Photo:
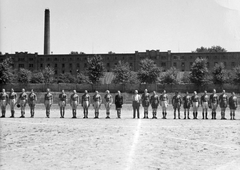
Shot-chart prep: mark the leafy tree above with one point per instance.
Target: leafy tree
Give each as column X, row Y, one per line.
column 95, row 69
column 48, row 74
column 24, row 75
column 82, row 78
column 199, row 72
column 37, row 77
column 236, row 75
column 212, row 49
column 219, row 74
column 170, row 76
column 67, row 78
column 186, row 77
column 148, row 71
column 6, row 71
column 122, row 72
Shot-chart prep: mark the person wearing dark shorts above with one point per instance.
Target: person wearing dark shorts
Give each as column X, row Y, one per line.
column 154, row 100
column 186, row 105
column 118, row 103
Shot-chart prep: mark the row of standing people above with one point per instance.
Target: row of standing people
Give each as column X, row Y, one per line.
column 145, row 99
column 12, row 99
column 194, row 101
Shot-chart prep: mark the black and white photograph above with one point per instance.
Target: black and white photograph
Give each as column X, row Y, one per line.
column 120, row 84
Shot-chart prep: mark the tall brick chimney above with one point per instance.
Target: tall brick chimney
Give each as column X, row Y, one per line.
column 47, row 32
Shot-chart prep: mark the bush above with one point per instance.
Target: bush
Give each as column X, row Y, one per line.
column 37, row 77
column 24, row 75
column 6, row 71
column 169, row 77
column 67, row 78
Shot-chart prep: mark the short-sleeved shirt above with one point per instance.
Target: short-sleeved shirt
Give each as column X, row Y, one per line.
column 48, row 96
column 97, row 98
column 85, row 97
column 62, row 97
column 108, row 97
column 12, row 95
column 32, row 96
column 233, row 102
column 74, row 97
column 3, row 96
column 204, row 98
column 164, row 97
column 23, row 96
column 195, row 98
column 214, row 98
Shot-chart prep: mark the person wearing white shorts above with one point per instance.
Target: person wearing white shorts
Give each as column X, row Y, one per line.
column 164, row 103
column 12, row 102
column 195, row 103
column 108, row 103
column 74, row 101
column 214, row 103
column 32, row 99
column 204, row 104
column 23, row 102
column 62, row 103
column 3, row 102
column 48, row 101
column 85, row 104
column 97, row 101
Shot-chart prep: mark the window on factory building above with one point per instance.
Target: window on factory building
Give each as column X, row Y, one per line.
column 41, row 65
column 56, row 72
column 85, row 65
column 233, row 64
column 225, row 64
column 30, row 59
column 163, row 64
column 21, row 59
column 70, row 71
column 182, row 57
column 70, row 59
column 55, row 65
column 108, row 65
column 207, row 57
column 41, row 59
column 63, row 59
column 131, row 64
column 191, row 57
column 175, row 65
column 63, row 65
column 30, row 65
column 21, row 65
column 70, row 65
column 48, row 65
column 208, row 64
column 63, row 72
column 48, row 59
column 78, row 65
column 131, row 58
column 55, row 59
column 174, row 57
column 115, row 64
column 183, row 64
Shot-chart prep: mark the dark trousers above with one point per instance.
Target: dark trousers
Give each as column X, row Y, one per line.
column 136, row 106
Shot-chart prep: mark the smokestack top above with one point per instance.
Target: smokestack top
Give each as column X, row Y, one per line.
column 47, row 32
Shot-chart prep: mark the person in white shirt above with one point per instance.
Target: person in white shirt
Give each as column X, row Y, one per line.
column 136, row 104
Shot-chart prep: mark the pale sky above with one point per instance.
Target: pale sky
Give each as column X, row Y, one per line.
column 121, row 26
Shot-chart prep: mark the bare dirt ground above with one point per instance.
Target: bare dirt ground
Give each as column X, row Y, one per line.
column 118, row 144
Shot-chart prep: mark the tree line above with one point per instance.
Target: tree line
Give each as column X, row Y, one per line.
column 148, row 73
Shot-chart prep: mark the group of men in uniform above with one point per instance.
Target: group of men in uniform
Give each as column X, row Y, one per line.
column 194, row 101
column 12, row 99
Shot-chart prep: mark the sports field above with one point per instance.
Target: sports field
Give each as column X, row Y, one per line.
column 118, row 144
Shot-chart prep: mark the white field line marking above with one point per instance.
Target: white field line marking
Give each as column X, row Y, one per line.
column 79, row 125
column 204, row 143
column 133, row 147
column 55, row 143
